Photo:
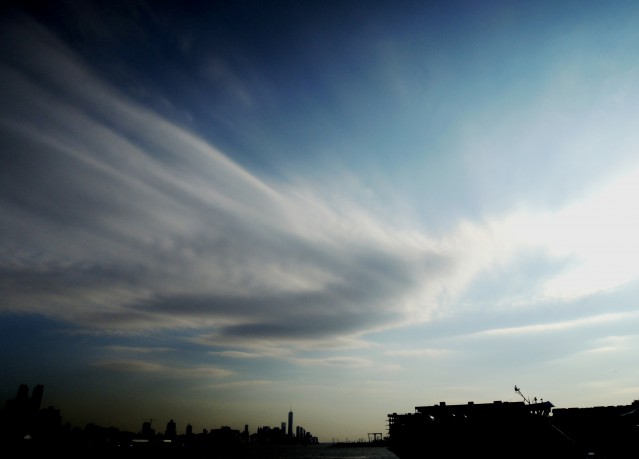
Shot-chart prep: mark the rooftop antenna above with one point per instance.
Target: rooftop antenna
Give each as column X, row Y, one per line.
column 522, row 395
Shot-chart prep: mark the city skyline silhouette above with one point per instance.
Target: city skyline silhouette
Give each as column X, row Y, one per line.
column 25, row 423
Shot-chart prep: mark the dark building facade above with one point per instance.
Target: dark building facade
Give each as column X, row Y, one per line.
column 23, row 417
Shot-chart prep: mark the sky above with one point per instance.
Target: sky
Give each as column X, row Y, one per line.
column 215, row 212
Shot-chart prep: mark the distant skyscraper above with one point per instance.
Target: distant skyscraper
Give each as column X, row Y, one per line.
column 171, row 429
column 36, row 397
column 25, row 404
column 147, row 431
column 23, row 392
column 290, row 423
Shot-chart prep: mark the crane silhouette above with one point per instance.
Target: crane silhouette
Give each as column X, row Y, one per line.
column 518, row 390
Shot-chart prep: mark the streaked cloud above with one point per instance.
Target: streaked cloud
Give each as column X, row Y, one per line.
column 241, row 384
column 142, row 366
column 559, row 326
column 239, row 354
column 427, row 352
column 341, row 361
column 168, row 232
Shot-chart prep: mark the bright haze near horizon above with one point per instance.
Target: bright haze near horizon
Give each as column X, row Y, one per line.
column 213, row 212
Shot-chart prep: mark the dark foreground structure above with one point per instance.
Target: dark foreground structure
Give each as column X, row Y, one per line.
column 515, row 430
column 602, row 431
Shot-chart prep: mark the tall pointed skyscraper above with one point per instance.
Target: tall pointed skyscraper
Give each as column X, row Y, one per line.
column 290, row 423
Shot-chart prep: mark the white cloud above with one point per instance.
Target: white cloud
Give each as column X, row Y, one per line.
column 594, row 235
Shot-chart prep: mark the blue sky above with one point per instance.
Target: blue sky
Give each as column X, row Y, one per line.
column 215, row 213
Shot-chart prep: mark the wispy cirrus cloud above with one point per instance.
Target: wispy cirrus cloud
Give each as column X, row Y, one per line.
column 116, row 218
column 133, row 222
